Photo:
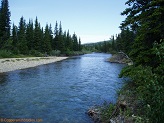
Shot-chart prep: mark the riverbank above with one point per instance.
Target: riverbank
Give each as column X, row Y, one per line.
column 11, row 64
column 128, row 108
column 121, row 58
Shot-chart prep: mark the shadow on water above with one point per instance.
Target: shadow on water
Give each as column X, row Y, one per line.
column 60, row 92
column 3, row 79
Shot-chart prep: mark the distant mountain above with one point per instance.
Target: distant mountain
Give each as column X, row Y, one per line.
column 97, row 43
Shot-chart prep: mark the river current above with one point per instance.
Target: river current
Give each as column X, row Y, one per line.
column 60, row 92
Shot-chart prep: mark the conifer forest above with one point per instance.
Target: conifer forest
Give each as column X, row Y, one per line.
column 30, row 38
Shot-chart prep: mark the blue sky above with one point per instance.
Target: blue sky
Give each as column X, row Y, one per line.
column 91, row 20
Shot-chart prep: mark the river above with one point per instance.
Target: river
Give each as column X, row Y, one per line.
column 60, row 92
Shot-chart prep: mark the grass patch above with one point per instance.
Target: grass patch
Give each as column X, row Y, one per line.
column 106, row 112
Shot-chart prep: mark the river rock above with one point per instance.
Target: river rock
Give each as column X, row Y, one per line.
column 120, row 58
column 94, row 114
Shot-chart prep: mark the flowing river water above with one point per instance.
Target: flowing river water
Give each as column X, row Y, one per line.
column 60, row 92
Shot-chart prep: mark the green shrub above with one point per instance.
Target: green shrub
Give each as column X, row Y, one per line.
column 68, row 52
column 107, row 111
column 149, row 82
column 55, row 52
column 35, row 53
column 5, row 54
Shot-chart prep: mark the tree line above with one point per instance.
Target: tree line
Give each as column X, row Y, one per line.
column 31, row 38
column 117, row 43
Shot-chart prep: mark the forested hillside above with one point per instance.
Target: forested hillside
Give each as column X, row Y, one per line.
column 119, row 42
column 30, row 38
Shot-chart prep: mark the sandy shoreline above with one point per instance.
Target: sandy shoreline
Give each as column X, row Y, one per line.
column 11, row 64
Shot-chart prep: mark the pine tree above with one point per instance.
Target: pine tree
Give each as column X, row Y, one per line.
column 15, row 39
column 65, row 41
column 113, row 43
column 75, row 42
column 37, row 36
column 80, row 46
column 60, row 41
column 22, row 43
column 51, row 36
column 105, row 48
column 41, row 35
column 46, row 45
column 69, row 42
column 145, row 17
column 56, row 38
column 4, row 22
column 30, row 35
column 118, row 43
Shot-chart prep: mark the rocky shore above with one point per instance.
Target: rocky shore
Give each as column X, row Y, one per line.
column 121, row 58
column 11, row 64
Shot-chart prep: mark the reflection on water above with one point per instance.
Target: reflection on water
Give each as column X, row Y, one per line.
column 60, row 92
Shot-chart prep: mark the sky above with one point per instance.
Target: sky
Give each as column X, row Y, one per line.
column 91, row 20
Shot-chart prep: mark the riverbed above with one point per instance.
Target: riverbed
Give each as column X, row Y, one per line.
column 60, row 92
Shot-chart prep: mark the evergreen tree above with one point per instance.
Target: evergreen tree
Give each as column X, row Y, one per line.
column 118, row 43
column 22, row 43
column 146, row 20
column 113, row 43
column 75, row 42
column 80, row 46
column 105, row 48
column 30, row 35
column 61, row 41
column 4, row 22
column 15, row 39
column 65, row 41
column 51, row 36
column 124, row 40
column 41, row 35
column 46, row 45
column 127, row 38
column 56, row 38
column 37, row 36
column 69, row 42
